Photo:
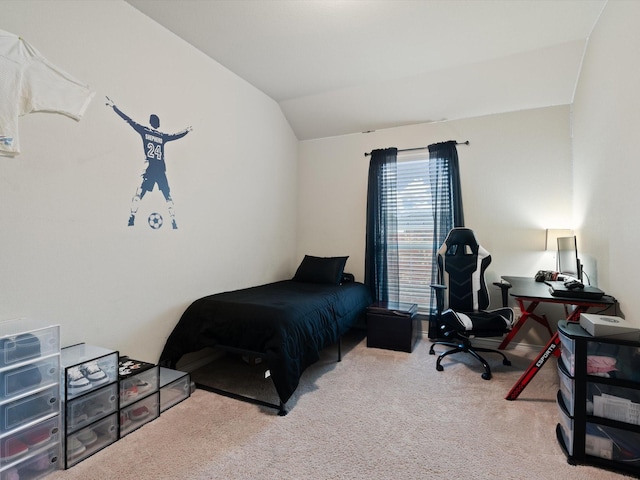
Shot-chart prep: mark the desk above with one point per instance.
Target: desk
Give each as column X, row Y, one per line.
column 526, row 289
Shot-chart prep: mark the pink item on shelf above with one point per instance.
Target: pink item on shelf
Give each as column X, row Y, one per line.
column 600, row 364
column 12, row 474
column 41, row 463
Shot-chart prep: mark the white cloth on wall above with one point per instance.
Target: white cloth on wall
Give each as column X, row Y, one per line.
column 30, row 83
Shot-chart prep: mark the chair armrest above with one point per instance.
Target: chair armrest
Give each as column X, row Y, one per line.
column 439, row 291
column 504, row 287
column 434, row 323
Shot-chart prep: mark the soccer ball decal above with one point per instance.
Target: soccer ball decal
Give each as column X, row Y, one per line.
column 155, row 220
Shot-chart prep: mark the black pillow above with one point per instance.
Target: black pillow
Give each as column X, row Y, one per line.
column 321, row 270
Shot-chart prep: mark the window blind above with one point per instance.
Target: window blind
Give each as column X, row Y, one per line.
column 414, row 203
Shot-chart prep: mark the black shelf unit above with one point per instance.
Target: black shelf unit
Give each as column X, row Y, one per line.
column 584, row 432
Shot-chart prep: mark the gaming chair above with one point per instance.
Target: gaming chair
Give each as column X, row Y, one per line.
column 462, row 297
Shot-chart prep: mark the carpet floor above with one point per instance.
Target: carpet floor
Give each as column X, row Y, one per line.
column 378, row 414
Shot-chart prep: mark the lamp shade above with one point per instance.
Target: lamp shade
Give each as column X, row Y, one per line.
column 551, row 239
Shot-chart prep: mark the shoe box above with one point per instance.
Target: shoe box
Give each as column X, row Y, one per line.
column 87, row 368
column 137, row 380
column 91, row 407
column 91, row 439
column 139, row 413
column 18, row 443
column 139, row 393
column 35, row 466
column 175, row 386
column 36, row 341
column 90, row 400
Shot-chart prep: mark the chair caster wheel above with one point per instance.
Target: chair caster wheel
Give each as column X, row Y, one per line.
column 506, row 362
column 439, row 368
column 486, row 376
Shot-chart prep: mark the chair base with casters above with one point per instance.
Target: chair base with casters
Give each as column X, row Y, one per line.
column 458, row 342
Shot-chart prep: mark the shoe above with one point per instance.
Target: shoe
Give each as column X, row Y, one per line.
column 11, row 474
column 23, row 347
column 7, row 349
column 74, row 446
column 13, row 449
column 76, row 381
column 125, row 421
column 132, row 219
column 94, row 373
column 95, row 410
column 37, row 437
column 27, row 346
column 79, row 419
column 87, row 437
column 19, row 380
column 25, row 378
column 141, row 385
column 129, row 394
column 139, row 413
column 174, row 225
column 42, row 462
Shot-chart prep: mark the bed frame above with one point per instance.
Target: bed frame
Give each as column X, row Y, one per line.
column 281, row 406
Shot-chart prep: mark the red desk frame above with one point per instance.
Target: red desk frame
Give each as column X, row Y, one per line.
column 525, row 289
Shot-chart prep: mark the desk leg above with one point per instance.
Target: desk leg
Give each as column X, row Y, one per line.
column 550, row 349
column 575, row 315
column 526, row 313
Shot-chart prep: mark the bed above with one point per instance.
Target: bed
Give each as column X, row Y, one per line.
column 285, row 323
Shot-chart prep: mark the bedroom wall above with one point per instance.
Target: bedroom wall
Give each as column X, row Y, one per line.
column 67, row 255
column 516, row 181
column 606, row 122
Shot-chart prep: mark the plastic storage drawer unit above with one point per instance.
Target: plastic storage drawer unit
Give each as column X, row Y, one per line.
column 91, row 439
column 604, row 357
column 91, row 407
column 23, row 410
column 87, row 368
column 605, row 401
column 138, row 385
column 38, row 465
column 22, row 443
column 139, row 413
column 175, row 386
column 36, row 341
column 25, row 378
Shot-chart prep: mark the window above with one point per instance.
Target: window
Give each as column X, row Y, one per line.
column 414, row 198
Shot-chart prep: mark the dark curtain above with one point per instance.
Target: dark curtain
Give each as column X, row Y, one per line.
column 381, row 252
column 381, row 238
column 444, row 172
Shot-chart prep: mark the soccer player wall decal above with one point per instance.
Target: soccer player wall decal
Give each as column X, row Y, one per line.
column 155, row 172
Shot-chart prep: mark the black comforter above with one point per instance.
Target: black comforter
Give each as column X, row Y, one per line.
column 289, row 322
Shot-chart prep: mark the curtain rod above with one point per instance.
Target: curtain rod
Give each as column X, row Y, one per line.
column 419, row 148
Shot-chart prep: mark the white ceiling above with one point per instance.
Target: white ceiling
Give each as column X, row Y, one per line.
column 346, row 66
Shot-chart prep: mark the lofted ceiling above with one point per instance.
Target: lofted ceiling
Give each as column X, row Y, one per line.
column 337, row 67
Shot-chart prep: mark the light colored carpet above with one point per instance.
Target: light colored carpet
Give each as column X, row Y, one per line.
column 378, row 414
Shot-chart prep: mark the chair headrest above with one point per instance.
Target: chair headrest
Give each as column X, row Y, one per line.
column 462, row 236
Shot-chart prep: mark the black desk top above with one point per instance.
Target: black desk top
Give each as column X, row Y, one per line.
column 527, row 287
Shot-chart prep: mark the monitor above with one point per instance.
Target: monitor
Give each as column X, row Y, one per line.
column 568, row 261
